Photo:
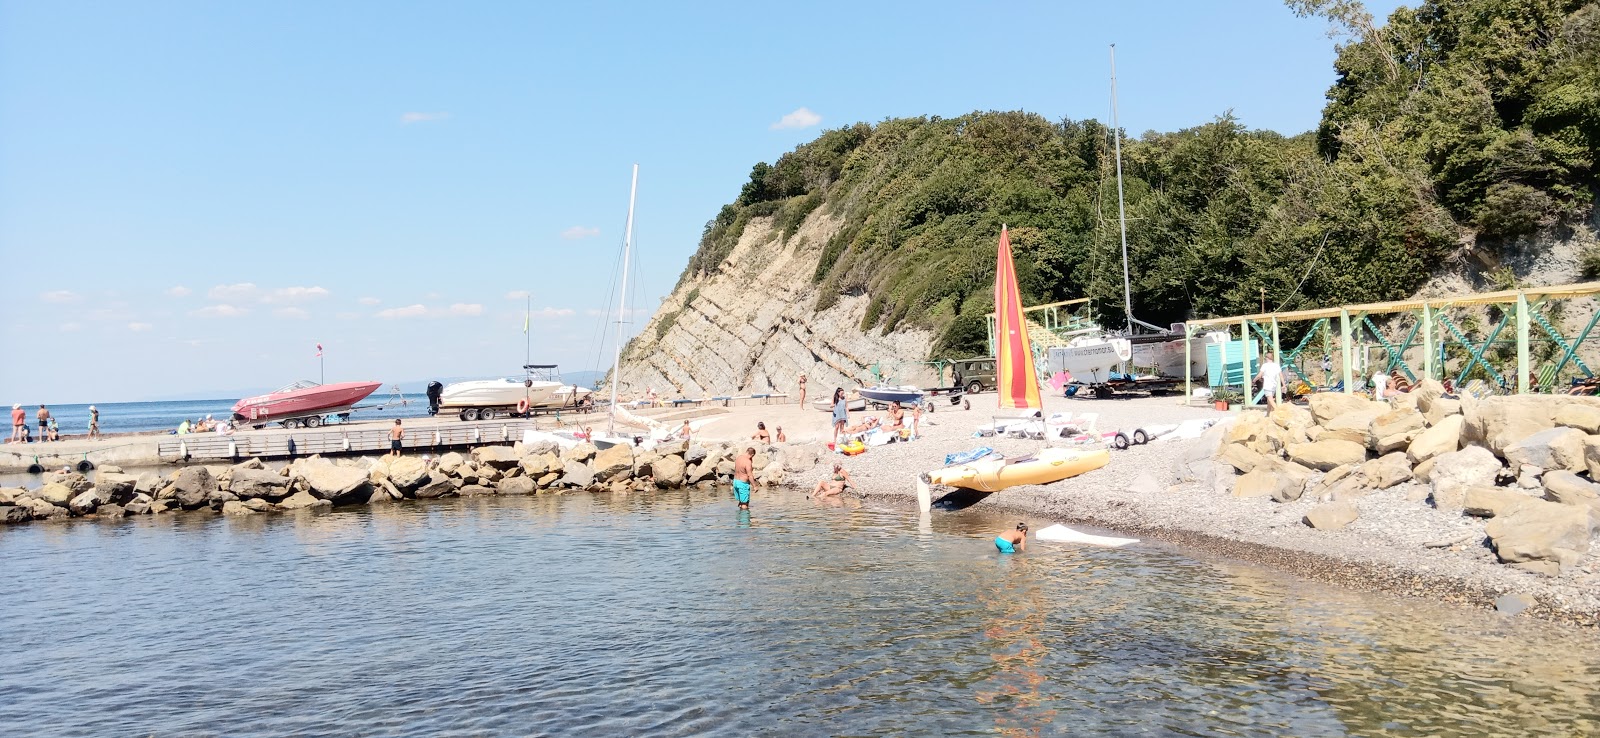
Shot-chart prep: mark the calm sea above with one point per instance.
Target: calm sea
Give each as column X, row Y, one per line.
column 126, row 417
column 676, row 615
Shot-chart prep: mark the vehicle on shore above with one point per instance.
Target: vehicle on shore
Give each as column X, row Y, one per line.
column 486, row 399
column 973, row 375
column 303, row 403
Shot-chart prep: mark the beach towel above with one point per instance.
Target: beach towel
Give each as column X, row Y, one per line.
column 966, row 457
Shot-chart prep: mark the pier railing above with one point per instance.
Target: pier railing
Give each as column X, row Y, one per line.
column 211, row 446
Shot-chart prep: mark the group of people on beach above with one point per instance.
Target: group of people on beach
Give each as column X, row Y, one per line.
column 205, row 425
column 49, row 430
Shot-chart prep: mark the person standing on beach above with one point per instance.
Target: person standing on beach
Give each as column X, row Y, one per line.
column 685, row 431
column 19, row 421
column 44, row 423
column 1013, row 541
column 802, row 389
column 841, row 415
column 1271, row 376
column 94, row 423
column 396, row 435
column 742, row 477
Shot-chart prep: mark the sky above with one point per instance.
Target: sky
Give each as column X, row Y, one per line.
column 194, row 195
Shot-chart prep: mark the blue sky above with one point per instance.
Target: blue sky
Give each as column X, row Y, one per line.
column 194, row 194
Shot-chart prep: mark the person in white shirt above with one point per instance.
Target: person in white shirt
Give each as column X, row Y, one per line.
column 1271, row 376
column 1380, row 385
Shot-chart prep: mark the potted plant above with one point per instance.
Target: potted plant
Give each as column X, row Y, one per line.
column 1222, row 398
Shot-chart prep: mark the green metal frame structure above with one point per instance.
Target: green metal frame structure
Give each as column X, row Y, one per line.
column 1432, row 329
column 1059, row 318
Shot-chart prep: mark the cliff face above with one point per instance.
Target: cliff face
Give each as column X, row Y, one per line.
column 750, row 327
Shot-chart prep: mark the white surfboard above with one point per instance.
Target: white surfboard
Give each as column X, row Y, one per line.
column 1062, row 534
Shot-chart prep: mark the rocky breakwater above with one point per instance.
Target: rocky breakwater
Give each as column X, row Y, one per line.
column 1527, row 464
column 251, row 487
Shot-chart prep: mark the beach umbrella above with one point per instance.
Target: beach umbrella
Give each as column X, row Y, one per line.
column 1017, row 382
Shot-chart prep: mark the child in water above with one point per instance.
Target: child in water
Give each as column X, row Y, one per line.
column 1014, row 541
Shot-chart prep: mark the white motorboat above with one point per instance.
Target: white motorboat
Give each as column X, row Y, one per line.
column 1091, row 359
column 541, row 389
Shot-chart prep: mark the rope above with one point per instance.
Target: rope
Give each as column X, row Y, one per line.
column 1303, row 277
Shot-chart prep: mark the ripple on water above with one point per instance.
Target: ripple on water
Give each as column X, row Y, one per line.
column 676, row 615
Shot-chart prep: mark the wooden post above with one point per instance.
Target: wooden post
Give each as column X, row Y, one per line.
column 1188, row 364
column 1244, row 337
column 1222, row 358
column 1344, row 348
column 1275, row 346
column 1427, row 340
column 1523, row 319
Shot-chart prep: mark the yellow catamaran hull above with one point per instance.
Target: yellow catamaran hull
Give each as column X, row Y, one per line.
column 1049, row 465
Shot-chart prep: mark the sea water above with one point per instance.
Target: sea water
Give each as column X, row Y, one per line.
column 139, row 417
column 676, row 614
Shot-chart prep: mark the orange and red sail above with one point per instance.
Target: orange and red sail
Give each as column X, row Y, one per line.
column 1018, row 383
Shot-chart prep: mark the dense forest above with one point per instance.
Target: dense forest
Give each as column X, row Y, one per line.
column 1455, row 127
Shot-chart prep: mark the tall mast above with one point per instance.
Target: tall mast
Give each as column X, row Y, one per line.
column 1122, row 214
column 622, row 304
column 527, row 337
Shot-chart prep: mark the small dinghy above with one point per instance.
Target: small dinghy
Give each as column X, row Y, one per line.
column 1062, row 534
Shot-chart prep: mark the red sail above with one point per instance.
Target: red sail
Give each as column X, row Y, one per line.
column 1017, row 381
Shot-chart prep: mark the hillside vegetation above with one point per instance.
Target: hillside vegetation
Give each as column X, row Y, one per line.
column 1458, row 126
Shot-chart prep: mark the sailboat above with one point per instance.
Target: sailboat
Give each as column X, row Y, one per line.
column 611, row 437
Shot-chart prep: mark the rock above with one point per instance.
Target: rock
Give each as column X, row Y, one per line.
column 112, row 510
column 302, row 499
column 475, row 490
column 694, row 455
column 1250, row 426
column 137, row 508
column 40, row 509
column 147, row 483
column 15, row 514
column 74, row 481
column 1539, row 531
column 490, row 476
column 1353, row 486
column 160, row 506
column 1359, row 421
column 761, row 461
column 1555, row 448
column 332, row 482
column 255, row 503
column 613, row 463
column 250, row 463
column 1454, row 473
column 1331, row 515
column 86, row 502
column 517, row 486
column 1500, row 421
column 451, row 462
column 540, row 448
column 1591, row 456
column 1426, row 392
column 771, row 474
column 1385, row 430
column 192, row 486
column 537, row 465
column 1423, row 472
column 576, row 474
column 1290, row 417
column 697, row 473
column 724, row 468
column 1582, row 417
column 9, row 495
column 115, row 488
column 434, row 488
column 580, row 453
column 1441, row 409
column 236, row 508
column 1443, row 438
column 1490, row 502
column 800, row 458
column 498, row 457
column 1339, row 472
column 1240, row 458
column 407, row 472
column 55, row 493
column 548, row 479
column 1326, row 406
column 1388, row 471
column 1528, row 477
column 1326, row 454
column 394, row 493
column 253, row 483
column 1570, row 489
column 669, row 472
column 1261, row 482
column 1513, row 604
column 644, row 463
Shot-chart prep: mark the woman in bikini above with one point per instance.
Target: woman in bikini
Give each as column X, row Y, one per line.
column 832, row 485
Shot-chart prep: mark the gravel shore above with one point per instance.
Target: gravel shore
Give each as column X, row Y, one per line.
column 1398, row 544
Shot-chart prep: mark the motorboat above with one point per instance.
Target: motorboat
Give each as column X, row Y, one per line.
column 883, row 395
column 1091, row 359
column 540, row 389
column 852, row 404
column 303, row 399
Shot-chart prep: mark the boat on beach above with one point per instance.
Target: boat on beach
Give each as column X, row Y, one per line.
column 853, row 404
column 883, row 395
column 1048, row 465
column 303, row 402
column 541, row 389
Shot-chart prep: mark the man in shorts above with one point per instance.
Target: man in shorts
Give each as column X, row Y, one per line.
column 742, row 477
column 1013, row 541
column 396, row 435
column 1271, row 376
column 44, row 423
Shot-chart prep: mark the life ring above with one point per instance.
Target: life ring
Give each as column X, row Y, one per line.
column 522, row 406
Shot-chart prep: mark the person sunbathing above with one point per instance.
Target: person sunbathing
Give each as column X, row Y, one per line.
column 871, row 422
column 833, row 485
column 897, row 417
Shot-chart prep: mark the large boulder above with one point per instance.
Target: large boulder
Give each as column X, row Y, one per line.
column 1554, row 448
column 517, row 486
column 803, row 458
column 1583, row 417
column 1240, row 457
column 1500, row 421
column 436, row 487
column 1326, row 406
column 40, row 509
column 540, row 464
column 301, row 500
column 333, row 482
column 85, row 503
column 408, row 472
column 55, row 493
column 1290, row 417
column 1570, row 489
column 669, row 471
column 498, row 457
column 1542, row 536
column 475, row 490
column 1443, row 438
column 74, row 481
column 577, row 474
column 451, row 462
column 1394, row 430
column 1326, row 454
column 615, row 462
column 580, row 453
column 116, row 488
column 1442, row 408
column 1490, row 502
column 1253, row 430
column 1454, row 473
column 1260, row 483
column 235, row 507
column 15, row 514
column 9, row 495
column 1426, row 392
column 193, row 485
column 1591, row 456
column 250, row 484
column 1331, row 515
column 697, row 473
column 1388, row 470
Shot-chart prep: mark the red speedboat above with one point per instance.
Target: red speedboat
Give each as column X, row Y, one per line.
column 303, row 399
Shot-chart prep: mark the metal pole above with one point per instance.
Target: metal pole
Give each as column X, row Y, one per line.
column 1427, row 340
column 1122, row 214
column 1244, row 336
column 1523, row 362
column 1188, row 364
column 322, row 369
column 1344, row 348
column 622, row 304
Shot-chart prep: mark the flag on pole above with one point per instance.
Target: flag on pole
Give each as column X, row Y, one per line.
column 524, row 321
column 1018, row 382
column 319, row 350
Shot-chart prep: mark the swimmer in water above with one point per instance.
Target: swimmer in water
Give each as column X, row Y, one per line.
column 1014, row 541
column 743, row 476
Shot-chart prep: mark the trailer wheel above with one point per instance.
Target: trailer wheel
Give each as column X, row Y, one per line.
column 486, row 414
column 1140, row 438
column 469, row 414
column 1120, row 441
column 291, row 424
column 314, row 421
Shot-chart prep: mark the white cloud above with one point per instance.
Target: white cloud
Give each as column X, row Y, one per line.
column 295, row 294
column 407, row 118
column 550, row 312
column 59, row 296
column 576, row 232
column 517, row 295
column 71, row 327
column 240, row 291
column 409, row 311
column 292, row 313
column 219, row 311
column 461, row 308
column 369, row 301
column 139, row 327
column 179, row 291
column 800, row 118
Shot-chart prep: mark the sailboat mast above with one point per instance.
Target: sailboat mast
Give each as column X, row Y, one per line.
column 1122, row 213
column 622, row 303
column 527, row 337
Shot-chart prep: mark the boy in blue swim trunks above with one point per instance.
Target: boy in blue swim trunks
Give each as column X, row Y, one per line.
column 1014, row 541
column 742, row 477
